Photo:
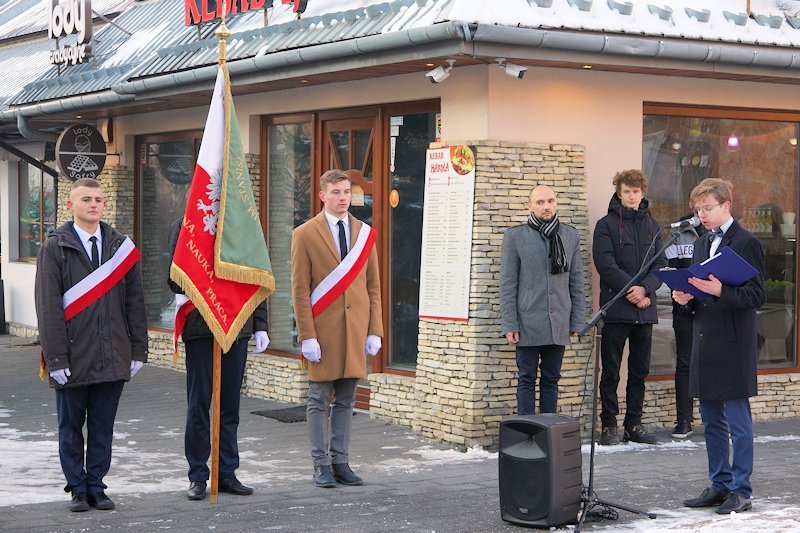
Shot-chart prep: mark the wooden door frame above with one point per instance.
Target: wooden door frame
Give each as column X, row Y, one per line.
column 368, row 117
column 380, row 114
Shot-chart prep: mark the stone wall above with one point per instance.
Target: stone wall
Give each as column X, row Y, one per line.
column 466, row 372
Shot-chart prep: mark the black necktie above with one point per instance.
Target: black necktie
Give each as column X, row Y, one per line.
column 95, row 253
column 342, row 240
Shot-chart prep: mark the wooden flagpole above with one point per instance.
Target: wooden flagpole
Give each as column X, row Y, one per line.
column 215, row 388
column 222, row 34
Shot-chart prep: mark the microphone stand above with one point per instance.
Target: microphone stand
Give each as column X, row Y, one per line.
column 596, row 322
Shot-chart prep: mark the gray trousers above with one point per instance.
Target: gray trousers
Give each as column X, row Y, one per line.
column 330, row 420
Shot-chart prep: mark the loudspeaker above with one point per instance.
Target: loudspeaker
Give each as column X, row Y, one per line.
column 540, row 470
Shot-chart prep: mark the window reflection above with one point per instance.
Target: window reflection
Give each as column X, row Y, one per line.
column 165, row 174
column 760, row 158
column 289, row 179
column 37, row 208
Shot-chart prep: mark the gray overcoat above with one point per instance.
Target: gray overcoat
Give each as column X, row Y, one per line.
column 544, row 308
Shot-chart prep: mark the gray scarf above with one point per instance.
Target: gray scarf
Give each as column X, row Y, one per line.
column 549, row 231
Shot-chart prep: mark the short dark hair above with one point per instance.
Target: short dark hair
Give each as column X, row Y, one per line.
column 332, row 176
column 632, row 178
column 85, row 182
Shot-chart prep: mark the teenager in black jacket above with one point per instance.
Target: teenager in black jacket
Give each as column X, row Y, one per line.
column 621, row 245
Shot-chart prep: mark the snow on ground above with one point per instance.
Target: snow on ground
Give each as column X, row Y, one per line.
column 765, row 516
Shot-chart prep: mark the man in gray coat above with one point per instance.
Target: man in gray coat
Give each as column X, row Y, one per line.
column 541, row 297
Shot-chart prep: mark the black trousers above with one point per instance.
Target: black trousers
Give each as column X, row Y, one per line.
column 197, row 441
column 639, row 337
column 683, row 327
column 96, row 406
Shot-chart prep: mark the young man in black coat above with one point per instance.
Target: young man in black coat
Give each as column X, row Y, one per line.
column 625, row 239
column 724, row 362
column 92, row 353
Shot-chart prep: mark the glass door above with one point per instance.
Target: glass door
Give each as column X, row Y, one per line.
column 349, row 144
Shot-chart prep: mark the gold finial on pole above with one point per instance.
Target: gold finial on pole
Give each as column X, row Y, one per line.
column 222, row 34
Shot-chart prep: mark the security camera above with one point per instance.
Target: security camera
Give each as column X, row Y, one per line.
column 515, row 71
column 440, row 73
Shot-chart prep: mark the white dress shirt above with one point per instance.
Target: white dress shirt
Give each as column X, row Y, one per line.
column 718, row 239
column 333, row 225
column 87, row 244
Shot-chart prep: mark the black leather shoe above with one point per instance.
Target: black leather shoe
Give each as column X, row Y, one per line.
column 708, row 498
column 101, row 501
column 232, row 485
column 197, row 490
column 342, row 474
column 79, row 502
column 608, row 436
column 683, row 429
column 735, row 504
column 638, row 434
column 323, row 477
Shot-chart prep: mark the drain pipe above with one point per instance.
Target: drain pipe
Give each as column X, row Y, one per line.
column 33, row 135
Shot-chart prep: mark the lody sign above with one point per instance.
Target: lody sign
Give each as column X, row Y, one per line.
column 80, row 152
column 66, row 18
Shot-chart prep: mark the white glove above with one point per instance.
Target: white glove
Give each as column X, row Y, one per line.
column 311, row 350
column 135, row 367
column 262, row 341
column 373, row 345
column 61, row 375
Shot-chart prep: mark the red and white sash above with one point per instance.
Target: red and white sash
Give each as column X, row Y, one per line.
column 100, row 281
column 345, row 272
column 183, row 306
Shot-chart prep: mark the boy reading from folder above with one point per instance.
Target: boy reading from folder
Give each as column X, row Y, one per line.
column 724, row 351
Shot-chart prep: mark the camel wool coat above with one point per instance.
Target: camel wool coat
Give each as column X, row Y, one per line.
column 342, row 328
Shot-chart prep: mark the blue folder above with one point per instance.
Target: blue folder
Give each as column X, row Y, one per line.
column 726, row 265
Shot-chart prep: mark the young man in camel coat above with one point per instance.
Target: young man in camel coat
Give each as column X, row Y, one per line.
column 337, row 306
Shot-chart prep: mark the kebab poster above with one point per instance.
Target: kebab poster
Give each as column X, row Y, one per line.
column 447, row 232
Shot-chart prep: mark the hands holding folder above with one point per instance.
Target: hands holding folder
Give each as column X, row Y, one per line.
column 705, row 279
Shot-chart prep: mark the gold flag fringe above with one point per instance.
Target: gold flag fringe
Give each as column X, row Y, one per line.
column 196, row 296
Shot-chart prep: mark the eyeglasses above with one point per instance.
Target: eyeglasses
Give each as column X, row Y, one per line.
column 705, row 209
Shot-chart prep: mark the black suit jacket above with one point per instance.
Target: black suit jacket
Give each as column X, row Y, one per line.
column 724, row 352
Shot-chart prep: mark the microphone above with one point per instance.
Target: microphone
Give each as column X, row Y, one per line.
column 694, row 222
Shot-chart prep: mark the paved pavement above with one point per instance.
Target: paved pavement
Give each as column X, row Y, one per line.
column 411, row 484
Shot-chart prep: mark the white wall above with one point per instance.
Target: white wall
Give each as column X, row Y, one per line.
column 18, row 277
column 464, row 90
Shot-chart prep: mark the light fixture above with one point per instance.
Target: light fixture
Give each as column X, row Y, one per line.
column 586, row 67
column 733, row 143
column 694, row 129
column 676, row 146
column 515, row 71
column 793, row 141
column 441, row 73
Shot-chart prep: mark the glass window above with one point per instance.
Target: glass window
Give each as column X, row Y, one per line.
column 760, row 158
column 37, row 208
column 407, row 180
column 165, row 170
column 289, row 201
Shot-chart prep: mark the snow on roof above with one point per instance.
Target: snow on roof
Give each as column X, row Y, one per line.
column 771, row 22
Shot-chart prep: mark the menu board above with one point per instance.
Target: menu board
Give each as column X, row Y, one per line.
column 447, row 233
